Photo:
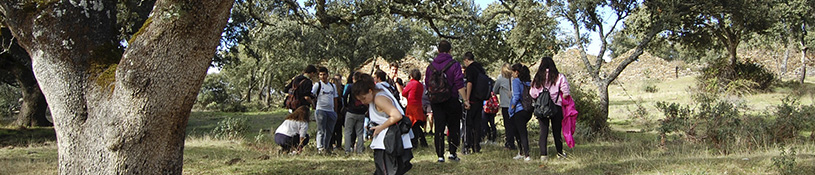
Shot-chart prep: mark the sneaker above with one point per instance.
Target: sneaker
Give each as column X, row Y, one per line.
column 518, row 157
column 544, row 158
column 527, row 159
column 441, row 159
column 453, row 157
column 561, row 156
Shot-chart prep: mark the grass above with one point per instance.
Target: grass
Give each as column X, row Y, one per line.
column 33, row 151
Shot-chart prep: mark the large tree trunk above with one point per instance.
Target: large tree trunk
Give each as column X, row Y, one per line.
column 33, row 109
column 118, row 113
column 17, row 63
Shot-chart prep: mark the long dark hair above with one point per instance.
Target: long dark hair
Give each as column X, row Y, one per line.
column 541, row 78
column 523, row 71
column 300, row 114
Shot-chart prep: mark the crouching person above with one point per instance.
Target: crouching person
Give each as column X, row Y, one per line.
column 392, row 147
column 291, row 134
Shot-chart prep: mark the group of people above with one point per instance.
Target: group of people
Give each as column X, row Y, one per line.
column 450, row 95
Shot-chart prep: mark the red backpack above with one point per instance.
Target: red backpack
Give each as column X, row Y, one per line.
column 492, row 106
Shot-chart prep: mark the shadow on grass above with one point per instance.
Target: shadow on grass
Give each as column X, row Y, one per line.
column 27, row 136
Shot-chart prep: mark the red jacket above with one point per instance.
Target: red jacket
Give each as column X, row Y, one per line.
column 413, row 92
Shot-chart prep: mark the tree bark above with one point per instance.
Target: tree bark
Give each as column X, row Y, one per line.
column 114, row 112
column 803, row 62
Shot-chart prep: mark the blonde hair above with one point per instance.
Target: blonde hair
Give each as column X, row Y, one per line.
column 506, row 72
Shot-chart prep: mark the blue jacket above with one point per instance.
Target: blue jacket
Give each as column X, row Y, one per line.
column 517, row 89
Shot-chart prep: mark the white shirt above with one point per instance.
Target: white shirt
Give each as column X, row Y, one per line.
column 292, row 127
column 379, row 117
column 326, row 95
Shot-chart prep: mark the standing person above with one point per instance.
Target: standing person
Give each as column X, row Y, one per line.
column 549, row 79
column 300, row 89
column 381, row 78
column 385, row 113
column 291, row 134
column 503, row 88
column 326, row 116
column 413, row 92
column 473, row 122
column 394, row 77
column 339, row 108
column 446, row 111
column 354, row 118
column 518, row 114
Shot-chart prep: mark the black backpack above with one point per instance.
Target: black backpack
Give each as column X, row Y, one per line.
column 544, row 106
column 438, row 88
column 483, row 87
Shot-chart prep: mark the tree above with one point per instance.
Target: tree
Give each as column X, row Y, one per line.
column 649, row 20
column 118, row 110
column 15, row 63
column 795, row 22
column 723, row 23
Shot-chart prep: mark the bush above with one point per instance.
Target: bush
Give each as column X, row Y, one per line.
column 785, row 162
column 590, row 123
column 9, row 100
column 745, row 78
column 230, row 128
column 721, row 125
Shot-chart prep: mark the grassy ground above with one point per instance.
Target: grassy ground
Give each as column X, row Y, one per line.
column 33, row 151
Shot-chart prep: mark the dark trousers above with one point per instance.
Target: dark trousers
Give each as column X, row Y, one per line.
column 287, row 142
column 419, row 135
column 520, row 119
column 556, row 130
column 473, row 126
column 447, row 114
column 509, row 129
column 392, row 165
column 488, row 126
column 336, row 136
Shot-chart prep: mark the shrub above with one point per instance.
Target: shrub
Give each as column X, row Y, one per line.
column 785, row 162
column 230, row 128
column 9, row 100
column 747, row 77
column 591, row 124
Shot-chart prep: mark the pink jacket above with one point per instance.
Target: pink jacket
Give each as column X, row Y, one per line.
column 561, row 85
column 569, row 120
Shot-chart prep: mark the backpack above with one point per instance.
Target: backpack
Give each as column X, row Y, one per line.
column 292, row 99
column 391, row 88
column 438, row 88
column 526, row 98
column 483, row 86
column 492, row 106
column 544, row 106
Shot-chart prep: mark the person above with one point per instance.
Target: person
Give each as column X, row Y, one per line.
column 503, row 88
column 291, row 134
column 518, row 115
column 384, row 112
column 394, row 77
column 381, row 78
column 473, row 121
column 339, row 108
column 413, row 93
column 550, row 79
column 326, row 94
column 447, row 113
column 354, row 118
column 304, row 85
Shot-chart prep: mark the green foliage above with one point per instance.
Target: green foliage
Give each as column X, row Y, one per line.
column 721, row 125
column 230, row 128
column 217, row 94
column 9, row 99
column 591, row 124
column 785, row 162
column 750, row 77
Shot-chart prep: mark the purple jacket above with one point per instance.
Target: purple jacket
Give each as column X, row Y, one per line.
column 454, row 75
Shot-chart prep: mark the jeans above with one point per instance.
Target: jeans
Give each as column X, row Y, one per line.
column 354, row 126
column 556, row 127
column 520, row 119
column 325, row 126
